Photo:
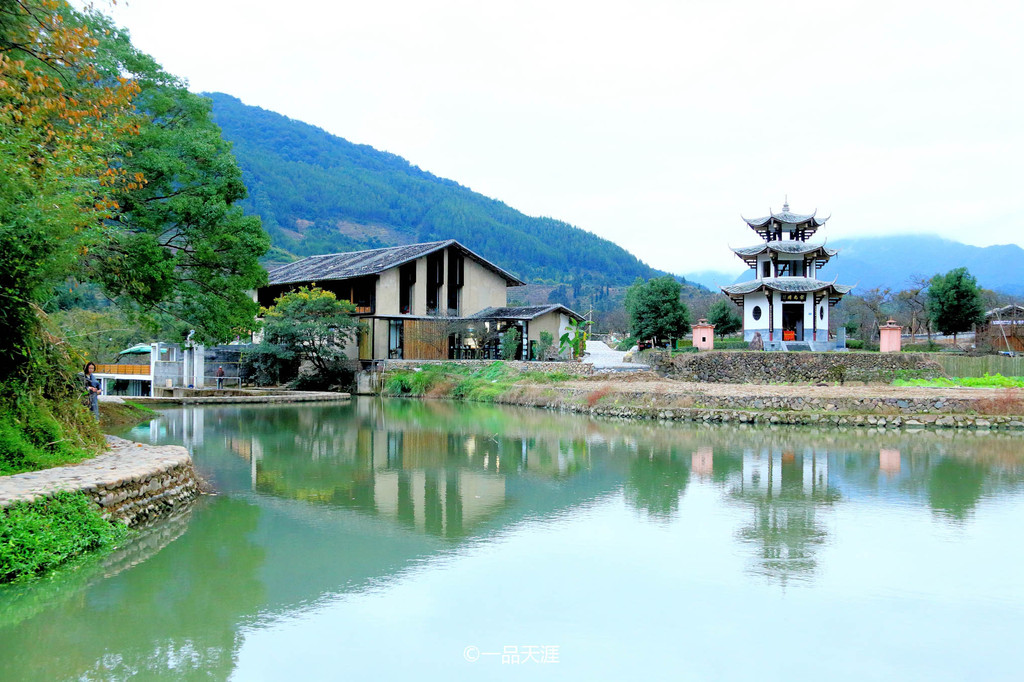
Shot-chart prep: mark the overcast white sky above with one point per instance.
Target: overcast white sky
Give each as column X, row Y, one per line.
column 653, row 124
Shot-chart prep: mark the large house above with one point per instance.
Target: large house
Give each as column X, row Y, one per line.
column 431, row 301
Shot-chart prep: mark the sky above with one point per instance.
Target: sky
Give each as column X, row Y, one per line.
column 652, row 124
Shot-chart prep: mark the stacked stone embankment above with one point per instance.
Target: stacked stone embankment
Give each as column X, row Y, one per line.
column 670, row 401
column 749, row 367
column 573, row 368
column 131, row 483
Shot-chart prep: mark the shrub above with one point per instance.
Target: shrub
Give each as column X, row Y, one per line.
column 39, row 536
column 626, row 343
column 854, row 344
column 547, row 340
column 595, row 396
column 510, row 343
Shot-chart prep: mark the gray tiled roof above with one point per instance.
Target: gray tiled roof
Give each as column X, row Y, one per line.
column 522, row 312
column 786, row 216
column 336, row 266
column 786, row 246
column 791, row 285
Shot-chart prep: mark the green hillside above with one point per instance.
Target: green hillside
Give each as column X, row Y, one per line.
column 317, row 193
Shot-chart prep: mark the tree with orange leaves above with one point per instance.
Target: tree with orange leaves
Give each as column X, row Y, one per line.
column 60, row 122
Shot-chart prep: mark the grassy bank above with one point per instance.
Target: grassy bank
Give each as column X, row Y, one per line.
column 40, row 433
column 119, row 415
column 987, row 381
column 459, row 382
column 40, row 536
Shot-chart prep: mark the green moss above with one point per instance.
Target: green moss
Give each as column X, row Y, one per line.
column 40, row 536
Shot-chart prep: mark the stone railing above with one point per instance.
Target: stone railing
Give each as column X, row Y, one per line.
column 131, row 483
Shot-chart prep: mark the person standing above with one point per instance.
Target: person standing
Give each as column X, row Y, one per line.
column 92, row 385
column 220, row 376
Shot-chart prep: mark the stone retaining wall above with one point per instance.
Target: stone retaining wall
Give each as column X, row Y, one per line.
column 131, row 483
column 573, row 368
column 752, row 367
column 861, row 412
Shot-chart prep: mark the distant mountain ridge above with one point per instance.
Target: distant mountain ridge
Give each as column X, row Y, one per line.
column 891, row 262
column 318, row 193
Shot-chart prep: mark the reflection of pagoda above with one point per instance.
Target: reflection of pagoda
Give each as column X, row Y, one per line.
column 785, row 489
column 785, row 302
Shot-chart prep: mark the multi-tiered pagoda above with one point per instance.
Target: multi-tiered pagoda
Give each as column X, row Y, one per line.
column 785, row 302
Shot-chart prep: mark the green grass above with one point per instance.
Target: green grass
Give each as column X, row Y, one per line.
column 40, row 536
column 485, row 384
column 987, row 381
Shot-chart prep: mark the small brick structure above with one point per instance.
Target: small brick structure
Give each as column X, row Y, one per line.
column 704, row 335
column 889, row 335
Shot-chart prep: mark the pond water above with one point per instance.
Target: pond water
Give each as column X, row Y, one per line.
column 438, row 541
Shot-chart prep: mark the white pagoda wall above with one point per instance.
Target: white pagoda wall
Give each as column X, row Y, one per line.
column 751, row 326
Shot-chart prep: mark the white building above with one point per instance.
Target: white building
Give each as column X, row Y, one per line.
column 785, row 302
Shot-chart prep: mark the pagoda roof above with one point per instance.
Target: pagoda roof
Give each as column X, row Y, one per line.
column 820, row 252
column 806, row 222
column 788, row 285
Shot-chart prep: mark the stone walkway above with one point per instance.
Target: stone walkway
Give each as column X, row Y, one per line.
column 124, row 463
column 605, row 358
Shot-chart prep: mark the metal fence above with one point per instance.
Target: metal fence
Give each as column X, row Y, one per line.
column 968, row 366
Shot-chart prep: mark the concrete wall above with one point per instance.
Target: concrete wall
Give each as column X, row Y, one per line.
column 388, row 292
column 483, row 288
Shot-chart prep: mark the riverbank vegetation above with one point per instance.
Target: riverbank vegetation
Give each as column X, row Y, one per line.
column 117, row 182
column 39, row 536
column 459, row 382
column 987, row 381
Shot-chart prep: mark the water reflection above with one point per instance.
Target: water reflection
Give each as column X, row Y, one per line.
column 321, row 501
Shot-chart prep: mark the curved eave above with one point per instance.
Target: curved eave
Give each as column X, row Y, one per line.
column 788, row 285
column 818, row 252
column 788, row 220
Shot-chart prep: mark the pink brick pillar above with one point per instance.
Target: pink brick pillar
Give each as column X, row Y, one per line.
column 703, row 335
column 890, row 337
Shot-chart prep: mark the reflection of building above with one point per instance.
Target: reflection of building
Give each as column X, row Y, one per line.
column 445, row 503
column 785, row 487
column 430, row 301
column 889, row 460
column 702, row 461
column 786, row 302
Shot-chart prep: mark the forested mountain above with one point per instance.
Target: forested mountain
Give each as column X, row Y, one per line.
column 891, row 262
column 318, row 193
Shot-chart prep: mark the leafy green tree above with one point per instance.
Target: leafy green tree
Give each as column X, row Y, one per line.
column 656, row 310
column 547, row 340
column 722, row 314
column 178, row 243
column 311, row 324
column 510, row 343
column 954, row 302
column 59, row 122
